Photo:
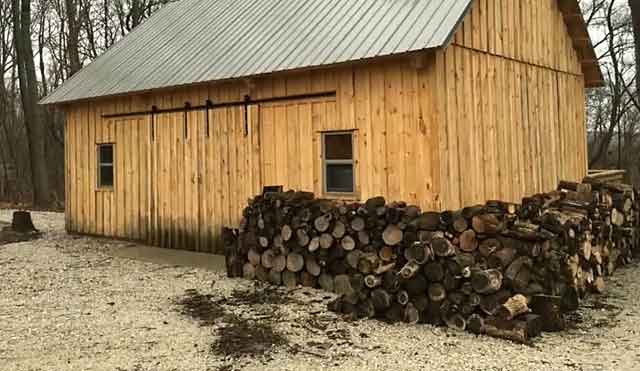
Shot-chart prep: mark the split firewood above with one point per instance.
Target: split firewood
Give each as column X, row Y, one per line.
column 514, row 307
column 500, row 269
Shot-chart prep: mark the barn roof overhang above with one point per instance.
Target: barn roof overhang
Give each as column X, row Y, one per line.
column 577, row 28
column 170, row 50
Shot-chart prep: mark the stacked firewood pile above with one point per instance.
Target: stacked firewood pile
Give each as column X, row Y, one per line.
column 506, row 270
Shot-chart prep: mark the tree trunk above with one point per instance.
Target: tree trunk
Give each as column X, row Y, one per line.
column 635, row 20
column 33, row 117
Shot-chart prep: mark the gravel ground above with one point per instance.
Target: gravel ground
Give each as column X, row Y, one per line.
column 67, row 303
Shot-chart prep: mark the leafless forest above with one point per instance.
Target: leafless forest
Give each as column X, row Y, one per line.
column 44, row 42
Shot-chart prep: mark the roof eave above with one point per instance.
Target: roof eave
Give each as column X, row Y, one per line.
column 579, row 33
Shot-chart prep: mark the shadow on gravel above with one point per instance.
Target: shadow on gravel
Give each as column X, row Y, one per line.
column 8, row 235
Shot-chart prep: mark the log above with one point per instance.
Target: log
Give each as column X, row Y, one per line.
column 442, row 247
column 366, row 309
column 411, row 314
column 429, row 221
column 248, row 271
column 502, row 258
column 314, row 244
column 322, row 223
column 358, row 224
column 254, row 257
column 261, row 273
column 279, row 263
column 386, row 254
column 475, row 324
column 326, row 282
column 384, row 268
column 326, row 241
column 437, row 292
column 352, row 258
column 275, row 277
column 372, row 281
column 342, row 285
column 434, row 271
column 487, row 281
column 409, row 270
column 402, row 297
column 381, row 299
column 339, row 229
column 512, row 308
column 363, row 237
column 490, row 304
column 506, row 330
column 418, row 252
column 368, row 263
column 468, row 241
column 486, row 224
column 289, row 279
column 489, row 246
column 295, row 262
column 267, row 258
column 392, row 235
column 302, row 237
column 456, row 322
column 417, row 285
column 286, row 232
column 459, row 223
column 307, row 279
column 348, row 243
column 312, row 266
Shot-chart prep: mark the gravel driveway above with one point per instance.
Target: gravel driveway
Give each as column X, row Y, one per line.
column 69, row 303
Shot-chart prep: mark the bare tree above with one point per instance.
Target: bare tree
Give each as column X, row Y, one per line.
column 33, row 121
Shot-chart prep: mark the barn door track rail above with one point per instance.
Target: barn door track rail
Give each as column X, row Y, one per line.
column 247, row 101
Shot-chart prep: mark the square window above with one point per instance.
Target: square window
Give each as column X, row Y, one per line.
column 340, row 178
column 338, row 147
column 105, row 166
column 338, row 163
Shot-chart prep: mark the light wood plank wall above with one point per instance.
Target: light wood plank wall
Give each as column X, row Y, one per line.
column 513, row 104
column 530, row 31
column 177, row 189
column 485, row 118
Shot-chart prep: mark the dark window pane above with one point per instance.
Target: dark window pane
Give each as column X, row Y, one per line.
column 340, row 178
column 106, row 176
column 106, row 154
column 338, row 147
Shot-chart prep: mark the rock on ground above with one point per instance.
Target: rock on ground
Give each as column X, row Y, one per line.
column 68, row 303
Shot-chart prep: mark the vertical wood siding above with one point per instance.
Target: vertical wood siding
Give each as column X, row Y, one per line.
column 488, row 117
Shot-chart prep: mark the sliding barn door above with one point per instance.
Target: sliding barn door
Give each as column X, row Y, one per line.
column 205, row 168
column 290, row 138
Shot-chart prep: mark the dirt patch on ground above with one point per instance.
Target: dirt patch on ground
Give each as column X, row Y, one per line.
column 200, row 307
column 239, row 338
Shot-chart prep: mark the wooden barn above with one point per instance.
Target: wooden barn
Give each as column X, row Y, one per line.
column 441, row 103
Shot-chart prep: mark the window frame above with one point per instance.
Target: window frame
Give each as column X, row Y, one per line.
column 100, row 165
column 326, row 162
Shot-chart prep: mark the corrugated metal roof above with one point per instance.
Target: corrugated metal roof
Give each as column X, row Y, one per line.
column 193, row 41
